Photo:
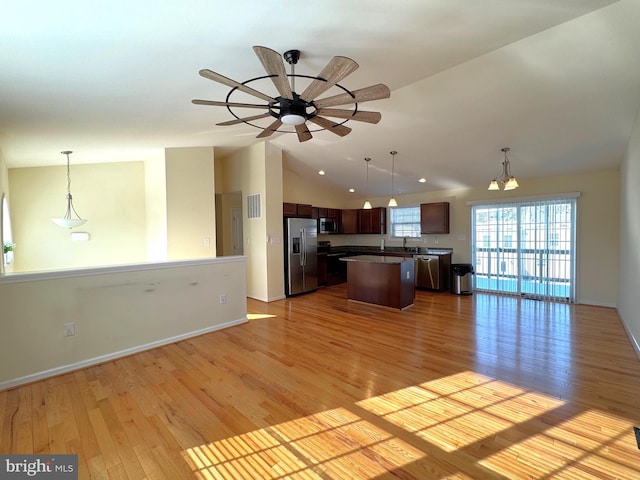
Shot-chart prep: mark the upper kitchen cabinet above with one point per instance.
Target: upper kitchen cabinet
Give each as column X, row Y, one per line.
column 296, row 210
column 434, row 218
column 349, row 221
column 373, row 220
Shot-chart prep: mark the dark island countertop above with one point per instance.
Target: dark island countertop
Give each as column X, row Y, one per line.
column 374, row 259
column 399, row 251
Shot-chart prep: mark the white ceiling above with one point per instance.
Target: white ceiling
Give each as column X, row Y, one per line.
column 558, row 82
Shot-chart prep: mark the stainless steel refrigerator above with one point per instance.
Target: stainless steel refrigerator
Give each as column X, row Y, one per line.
column 300, row 255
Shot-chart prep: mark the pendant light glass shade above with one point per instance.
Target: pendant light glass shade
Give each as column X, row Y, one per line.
column 392, row 200
column 367, row 203
column 508, row 181
column 68, row 221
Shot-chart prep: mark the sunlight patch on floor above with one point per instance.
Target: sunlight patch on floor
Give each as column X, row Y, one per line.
column 562, row 451
column 335, row 443
column 258, row 316
column 488, row 425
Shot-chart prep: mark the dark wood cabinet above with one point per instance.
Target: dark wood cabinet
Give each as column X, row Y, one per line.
column 333, row 213
column 289, row 209
column 304, row 210
column 434, row 218
column 349, row 221
column 296, row 210
column 373, row 220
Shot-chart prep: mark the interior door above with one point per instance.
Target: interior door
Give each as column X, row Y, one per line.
column 237, row 232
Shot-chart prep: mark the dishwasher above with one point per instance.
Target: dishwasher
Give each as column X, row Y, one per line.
column 427, row 271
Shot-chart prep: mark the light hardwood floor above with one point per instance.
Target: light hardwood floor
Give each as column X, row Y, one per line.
column 318, row 387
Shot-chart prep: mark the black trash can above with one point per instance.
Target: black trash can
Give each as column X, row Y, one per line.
column 461, row 282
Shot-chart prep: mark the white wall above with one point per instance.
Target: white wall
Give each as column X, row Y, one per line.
column 628, row 298
column 116, row 311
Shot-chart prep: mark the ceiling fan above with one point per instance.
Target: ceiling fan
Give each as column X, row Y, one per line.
column 291, row 108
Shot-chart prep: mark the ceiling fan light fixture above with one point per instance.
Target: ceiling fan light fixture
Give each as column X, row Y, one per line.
column 292, row 119
column 293, row 109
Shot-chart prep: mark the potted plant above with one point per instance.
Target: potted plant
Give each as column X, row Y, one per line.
column 7, row 250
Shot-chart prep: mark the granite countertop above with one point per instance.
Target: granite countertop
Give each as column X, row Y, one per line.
column 374, row 259
column 373, row 250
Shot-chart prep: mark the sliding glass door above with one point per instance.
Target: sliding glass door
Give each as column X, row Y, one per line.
column 526, row 248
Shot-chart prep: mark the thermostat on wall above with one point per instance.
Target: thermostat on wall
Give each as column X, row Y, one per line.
column 79, row 236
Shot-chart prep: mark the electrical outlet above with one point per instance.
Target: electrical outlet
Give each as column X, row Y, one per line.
column 223, row 298
column 69, row 329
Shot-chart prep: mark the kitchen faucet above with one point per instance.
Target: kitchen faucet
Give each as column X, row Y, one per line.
column 404, row 242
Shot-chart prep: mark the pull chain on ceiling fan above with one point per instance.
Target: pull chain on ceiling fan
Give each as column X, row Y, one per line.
column 291, row 108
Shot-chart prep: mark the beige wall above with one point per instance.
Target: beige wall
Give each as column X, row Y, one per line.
column 116, row 311
column 628, row 298
column 156, row 207
column 319, row 194
column 274, row 224
column 191, row 224
column 598, row 226
column 4, row 190
column 109, row 195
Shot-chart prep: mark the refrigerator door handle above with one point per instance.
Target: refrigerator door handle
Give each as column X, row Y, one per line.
column 303, row 253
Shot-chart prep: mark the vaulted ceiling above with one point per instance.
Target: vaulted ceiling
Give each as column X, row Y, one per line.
column 557, row 82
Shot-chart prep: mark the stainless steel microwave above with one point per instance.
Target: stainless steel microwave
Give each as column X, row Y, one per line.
column 328, row 225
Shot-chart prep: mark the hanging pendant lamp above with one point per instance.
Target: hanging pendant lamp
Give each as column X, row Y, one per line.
column 392, row 200
column 507, row 180
column 367, row 203
column 68, row 221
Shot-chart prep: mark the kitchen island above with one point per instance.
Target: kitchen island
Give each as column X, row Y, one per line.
column 383, row 280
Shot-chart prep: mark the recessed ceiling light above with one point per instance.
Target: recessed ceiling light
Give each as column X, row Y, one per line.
column 321, row 172
column 422, row 180
column 352, row 190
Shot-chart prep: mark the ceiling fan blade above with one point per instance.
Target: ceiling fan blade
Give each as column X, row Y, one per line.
column 360, row 115
column 243, row 120
column 374, row 92
column 303, row 133
column 270, row 129
column 331, row 126
column 216, row 77
column 228, row 104
column 337, row 69
column 273, row 64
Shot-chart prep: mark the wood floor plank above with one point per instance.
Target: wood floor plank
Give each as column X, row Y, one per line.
column 323, row 388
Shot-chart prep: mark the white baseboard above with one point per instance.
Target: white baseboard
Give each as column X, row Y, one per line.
column 267, row 299
column 634, row 341
column 112, row 356
column 597, row 304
